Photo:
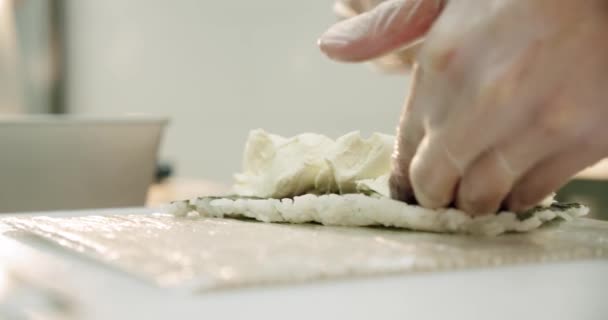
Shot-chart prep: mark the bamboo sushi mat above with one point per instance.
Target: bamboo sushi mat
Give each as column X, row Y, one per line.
column 210, row 254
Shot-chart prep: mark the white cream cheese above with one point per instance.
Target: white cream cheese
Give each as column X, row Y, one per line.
column 275, row 167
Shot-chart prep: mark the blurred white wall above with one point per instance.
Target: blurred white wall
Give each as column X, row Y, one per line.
column 219, row 69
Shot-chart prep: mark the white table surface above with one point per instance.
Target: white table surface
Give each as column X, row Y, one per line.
column 574, row 290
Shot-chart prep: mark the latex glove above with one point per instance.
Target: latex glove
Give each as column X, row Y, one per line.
column 397, row 61
column 388, row 35
column 510, row 98
column 345, row 9
column 400, row 59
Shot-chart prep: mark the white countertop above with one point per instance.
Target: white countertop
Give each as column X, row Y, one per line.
column 575, row 290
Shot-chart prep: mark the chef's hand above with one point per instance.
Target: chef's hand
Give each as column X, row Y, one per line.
column 509, row 99
column 398, row 61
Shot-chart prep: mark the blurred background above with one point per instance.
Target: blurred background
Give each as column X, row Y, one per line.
column 217, row 69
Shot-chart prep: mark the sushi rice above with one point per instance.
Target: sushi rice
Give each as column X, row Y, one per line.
column 368, row 210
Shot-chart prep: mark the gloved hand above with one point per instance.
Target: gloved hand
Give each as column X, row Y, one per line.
column 397, row 61
column 509, row 99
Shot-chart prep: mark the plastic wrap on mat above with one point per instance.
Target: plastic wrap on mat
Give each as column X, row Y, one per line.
column 205, row 254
